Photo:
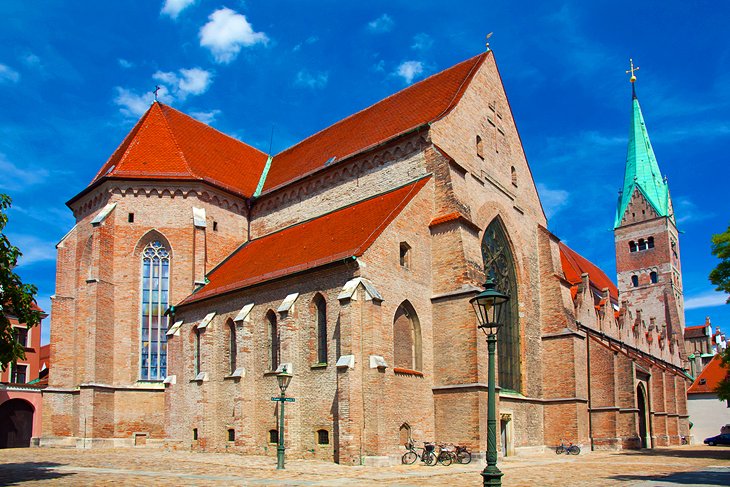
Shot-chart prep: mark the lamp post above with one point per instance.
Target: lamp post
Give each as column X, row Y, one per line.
column 488, row 306
column 283, row 378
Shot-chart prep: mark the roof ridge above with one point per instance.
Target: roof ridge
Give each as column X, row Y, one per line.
column 465, row 82
column 174, row 138
column 408, row 88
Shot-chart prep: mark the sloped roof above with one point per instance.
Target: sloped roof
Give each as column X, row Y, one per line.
column 709, row 378
column 333, row 237
column 166, row 143
column 695, row 331
column 575, row 264
column 420, row 103
column 642, row 170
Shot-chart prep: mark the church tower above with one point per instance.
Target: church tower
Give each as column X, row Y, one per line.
column 646, row 237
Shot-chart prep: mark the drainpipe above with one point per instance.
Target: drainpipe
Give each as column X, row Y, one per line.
column 588, row 371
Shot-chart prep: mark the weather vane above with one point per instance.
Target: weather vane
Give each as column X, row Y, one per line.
column 157, row 88
column 488, row 36
column 633, row 76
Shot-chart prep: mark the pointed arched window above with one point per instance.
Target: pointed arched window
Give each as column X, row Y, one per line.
column 155, row 300
column 273, row 340
column 407, row 338
column 320, row 309
column 499, row 266
column 232, row 347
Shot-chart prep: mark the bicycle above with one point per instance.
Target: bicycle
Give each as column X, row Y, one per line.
column 427, row 454
column 459, row 453
column 444, row 456
column 568, row 449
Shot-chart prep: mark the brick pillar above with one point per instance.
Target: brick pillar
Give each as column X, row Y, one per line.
column 658, row 408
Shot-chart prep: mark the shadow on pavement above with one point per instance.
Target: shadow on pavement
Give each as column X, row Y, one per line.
column 719, row 476
column 718, row 453
column 17, row 473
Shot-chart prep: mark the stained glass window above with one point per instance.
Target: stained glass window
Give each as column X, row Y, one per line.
column 499, row 266
column 155, row 299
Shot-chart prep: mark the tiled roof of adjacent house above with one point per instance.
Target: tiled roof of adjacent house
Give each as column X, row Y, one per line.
column 695, row 331
column 420, row 103
column 330, row 238
column 167, row 144
column 575, row 264
column 709, row 378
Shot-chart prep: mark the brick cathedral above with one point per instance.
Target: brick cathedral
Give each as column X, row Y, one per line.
column 200, row 266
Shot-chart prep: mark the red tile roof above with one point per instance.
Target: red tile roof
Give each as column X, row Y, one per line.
column 421, row 103
column 168, row 144
column 326, row 239
column 695, row 331
column 575, row 264
column 712, row 375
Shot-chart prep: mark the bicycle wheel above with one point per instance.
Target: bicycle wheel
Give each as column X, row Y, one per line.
column 409, row 457
column 574, row 450
column 560, row 449
column 463, row 457
column 444, row 459
column 429, row 458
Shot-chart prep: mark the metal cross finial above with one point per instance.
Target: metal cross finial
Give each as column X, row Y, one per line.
column 157, row 88
column 488, row 36
column 633, row 76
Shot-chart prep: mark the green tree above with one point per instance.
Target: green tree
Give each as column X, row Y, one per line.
column 723, row 388
column 16, row 298
column 720, row 275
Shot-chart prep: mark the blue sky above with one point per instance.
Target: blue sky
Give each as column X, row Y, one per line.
column 75, row 76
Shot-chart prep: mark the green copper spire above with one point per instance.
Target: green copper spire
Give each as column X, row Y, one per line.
column 642, row 170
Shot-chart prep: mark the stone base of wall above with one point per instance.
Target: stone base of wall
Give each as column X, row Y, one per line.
column 87, row 443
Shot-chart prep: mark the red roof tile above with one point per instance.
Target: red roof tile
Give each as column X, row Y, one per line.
column 695, row 331
column 575, row 264
column 326, row 239
column 712, row 375
column 166, row 143
column 423, row 102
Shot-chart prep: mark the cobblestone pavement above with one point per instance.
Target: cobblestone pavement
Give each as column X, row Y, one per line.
column 696, row 465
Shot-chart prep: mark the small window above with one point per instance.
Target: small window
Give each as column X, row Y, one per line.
column 514, row 176
column 703, row 382
column 130, row 218
column 195, row 434
column 231, row 435
column 273, row 436
column 480, row 147
column 21, row 336
column 653, row 276
column 632, row 246
column 323, row 437
column 650, row 242
column 405, row 255
column 642, row 244
column 198, row 352
column 635, row 280
column 215, row 226
column 19, row 374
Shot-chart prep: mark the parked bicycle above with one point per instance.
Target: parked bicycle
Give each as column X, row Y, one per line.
column 567, row 448
column 427, row 455
column 444, row 456
column 459, row 453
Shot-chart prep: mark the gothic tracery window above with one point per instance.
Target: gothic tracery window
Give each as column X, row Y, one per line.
column 499, row 266
column 155, row 299
column 407, row 347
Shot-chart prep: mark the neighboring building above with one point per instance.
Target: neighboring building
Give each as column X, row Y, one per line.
column 708, row 414
column 702, row 344
column 350, row 258
column 20, row 395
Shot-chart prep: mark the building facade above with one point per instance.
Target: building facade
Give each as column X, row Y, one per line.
column 349, row 259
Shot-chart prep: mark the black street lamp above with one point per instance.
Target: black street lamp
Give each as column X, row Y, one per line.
column 283, row 378
column 488, row 306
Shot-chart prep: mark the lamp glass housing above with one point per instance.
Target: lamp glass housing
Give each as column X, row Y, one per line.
column 284, row 378
column 488, row 306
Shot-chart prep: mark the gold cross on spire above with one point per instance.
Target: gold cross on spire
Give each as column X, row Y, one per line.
column 633, row 77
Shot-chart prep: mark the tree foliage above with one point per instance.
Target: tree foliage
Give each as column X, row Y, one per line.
column 16, row 299
column 723, row 388
column 720, row 275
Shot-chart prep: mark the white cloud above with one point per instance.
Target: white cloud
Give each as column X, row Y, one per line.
column 16, row 178
column 384, row 23
column 33, row 249
column 125, row 64
column 553, row 200
column 312, row 80
column 421, row 42
column 172, row 8
column 308, row 40
column 132, row 104
column 226, row 32
column 194, row 81
column 706, row 300
column 409, row 70
column 206, row 117
column 31, row 60
column 8, row 74
column 379, row 66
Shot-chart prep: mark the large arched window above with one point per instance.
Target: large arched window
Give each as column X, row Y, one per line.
column 273, row 340
column 499, row 266
column 407, row 338
column 320, row 309
column 155, row 299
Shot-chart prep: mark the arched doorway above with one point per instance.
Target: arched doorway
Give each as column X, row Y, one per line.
column 16, row 423
column 641, row 403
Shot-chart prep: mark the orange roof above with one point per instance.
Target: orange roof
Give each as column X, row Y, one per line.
column 695, row 331
column 168, row 144
column 709, row 378
column 421, row 103
column 575, row 264
column 333, row 237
